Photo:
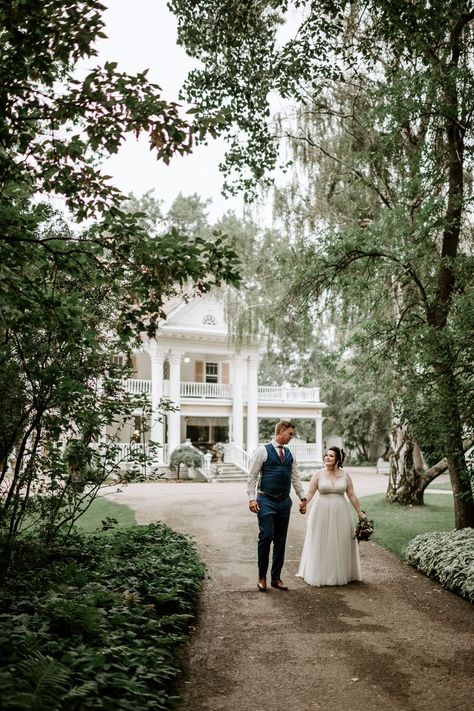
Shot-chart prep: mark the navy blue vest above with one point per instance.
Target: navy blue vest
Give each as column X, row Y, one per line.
column 275, row 476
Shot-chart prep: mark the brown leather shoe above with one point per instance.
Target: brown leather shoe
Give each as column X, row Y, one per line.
column 262, row 585
column 278, row 585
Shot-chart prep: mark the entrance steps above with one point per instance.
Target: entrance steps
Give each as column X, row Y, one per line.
column 230, row 472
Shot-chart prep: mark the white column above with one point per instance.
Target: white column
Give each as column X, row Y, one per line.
column 238, row 401
column 319, row 438
column 157, row 358
column 174, row 418
column 252, row 403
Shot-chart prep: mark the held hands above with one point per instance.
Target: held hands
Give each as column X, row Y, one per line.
column 254, row 507
column 303, row 506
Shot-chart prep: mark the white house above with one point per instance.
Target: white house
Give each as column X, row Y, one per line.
column 214, row 387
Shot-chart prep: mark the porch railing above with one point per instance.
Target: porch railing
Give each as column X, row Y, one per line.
column 305, row 452
column 232, row 455
column 125, row 453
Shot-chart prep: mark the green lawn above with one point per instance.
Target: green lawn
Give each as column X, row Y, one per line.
column 435, row 485
column 100, row 509
column 395, row 525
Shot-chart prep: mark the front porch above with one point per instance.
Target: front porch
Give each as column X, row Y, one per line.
column 306, row 454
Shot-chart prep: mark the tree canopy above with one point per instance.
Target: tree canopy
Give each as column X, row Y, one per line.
column 73, row 294
column 379, row 121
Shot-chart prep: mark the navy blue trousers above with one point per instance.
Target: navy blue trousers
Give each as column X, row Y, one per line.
column 273, row 520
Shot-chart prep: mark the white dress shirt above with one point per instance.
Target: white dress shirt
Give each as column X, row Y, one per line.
column 259, row 457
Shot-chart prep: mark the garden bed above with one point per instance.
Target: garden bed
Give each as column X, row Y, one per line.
column 97, row 622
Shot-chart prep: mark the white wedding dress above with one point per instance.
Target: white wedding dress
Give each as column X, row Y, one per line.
column 330, row 553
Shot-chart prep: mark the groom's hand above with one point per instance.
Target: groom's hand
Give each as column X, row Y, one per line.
column 303, row 505
column 254, row 507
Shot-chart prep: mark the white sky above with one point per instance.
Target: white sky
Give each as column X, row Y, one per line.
column 142, row 35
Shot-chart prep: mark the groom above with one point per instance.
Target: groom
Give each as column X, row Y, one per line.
column 272, row 472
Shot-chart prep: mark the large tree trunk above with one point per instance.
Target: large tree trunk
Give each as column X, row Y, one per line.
column 438, row 310
column 408, row 479
column 455, row 457
column 406, row 468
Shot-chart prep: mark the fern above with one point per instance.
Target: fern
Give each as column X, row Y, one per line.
column 39, row 682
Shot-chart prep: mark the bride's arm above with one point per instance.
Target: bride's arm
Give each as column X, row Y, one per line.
column 353, row 498
column 313, row 487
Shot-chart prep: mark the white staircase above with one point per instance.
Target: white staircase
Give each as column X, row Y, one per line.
column 228, row 472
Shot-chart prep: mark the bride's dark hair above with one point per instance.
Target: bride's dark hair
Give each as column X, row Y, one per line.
column 340, row 456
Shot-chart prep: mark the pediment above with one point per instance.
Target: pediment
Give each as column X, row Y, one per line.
column 205, row 313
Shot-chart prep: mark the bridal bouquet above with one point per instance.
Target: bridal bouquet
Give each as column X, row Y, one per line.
column 364, row 529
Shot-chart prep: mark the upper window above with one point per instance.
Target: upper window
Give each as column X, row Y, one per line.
column 209, row 320
column 117, row 360
column 212, row 373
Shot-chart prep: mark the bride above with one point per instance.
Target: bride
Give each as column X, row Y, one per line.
column 330, row 553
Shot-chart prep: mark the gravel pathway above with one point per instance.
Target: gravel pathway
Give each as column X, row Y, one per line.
column 397, row 641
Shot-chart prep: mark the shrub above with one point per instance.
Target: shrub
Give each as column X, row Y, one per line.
column 187, row 455
column 447, row 557
column 97, row 622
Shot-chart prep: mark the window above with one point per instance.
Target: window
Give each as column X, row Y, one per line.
column 212, row 373
column 117, row 360
column 209, row 320
column 138, row 430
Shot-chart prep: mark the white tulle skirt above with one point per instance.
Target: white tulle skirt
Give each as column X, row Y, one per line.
column 330, row 554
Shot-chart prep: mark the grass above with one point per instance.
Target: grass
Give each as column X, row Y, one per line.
column 395, row 525
column 434, row 485
column 102, row 508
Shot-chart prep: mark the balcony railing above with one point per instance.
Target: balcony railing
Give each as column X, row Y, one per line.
column 219, row 391
column 206, row 390
column 283, row 394
column 136, row 387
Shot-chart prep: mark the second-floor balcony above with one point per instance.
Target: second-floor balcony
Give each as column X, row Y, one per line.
column 220, row 391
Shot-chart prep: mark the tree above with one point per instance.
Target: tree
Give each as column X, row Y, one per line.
column 395, row 83
column 189, row 456
column 71, row 296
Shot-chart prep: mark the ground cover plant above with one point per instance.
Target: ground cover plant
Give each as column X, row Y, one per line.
column 446, row 556
column 96, row 621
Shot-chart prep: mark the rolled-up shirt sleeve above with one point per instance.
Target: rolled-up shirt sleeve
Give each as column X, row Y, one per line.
column 296, row 481
column 256, row 462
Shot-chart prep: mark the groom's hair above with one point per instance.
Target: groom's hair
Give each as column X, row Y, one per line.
column 283, row 425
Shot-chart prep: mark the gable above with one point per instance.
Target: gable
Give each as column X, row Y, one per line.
column 203, row 313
